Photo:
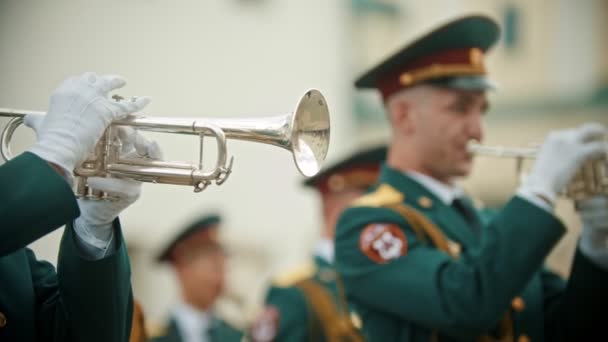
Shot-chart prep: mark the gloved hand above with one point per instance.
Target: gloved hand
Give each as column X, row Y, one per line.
column 135, row 145
column 79, row 111
column 94, row 225
column 560, row 157
column 594, row 237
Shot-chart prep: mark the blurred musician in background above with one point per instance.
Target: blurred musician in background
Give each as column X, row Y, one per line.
column 308, row 303
column 198, row 259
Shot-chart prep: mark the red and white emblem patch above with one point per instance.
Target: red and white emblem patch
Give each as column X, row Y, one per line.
column 383, row 242
column 266, row 326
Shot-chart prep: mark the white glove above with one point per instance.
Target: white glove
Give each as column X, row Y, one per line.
column 594, row 237
column 79, row 111
column 94, row 225
column 135, row 145
column 560, row 157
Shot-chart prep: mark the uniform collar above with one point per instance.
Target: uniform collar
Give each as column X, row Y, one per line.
column 423, row 194
column 325, row 250
column 446, row 193
column 191, row 322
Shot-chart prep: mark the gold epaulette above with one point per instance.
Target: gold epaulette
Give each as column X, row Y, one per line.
column 156, row 329
column 295, row 274
column 384, row 195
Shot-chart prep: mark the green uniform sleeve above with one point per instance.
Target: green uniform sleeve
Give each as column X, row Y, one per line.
column 85, row 300
column 576, row 311
column 293, row 321
column 35, row 200
column 461, row 298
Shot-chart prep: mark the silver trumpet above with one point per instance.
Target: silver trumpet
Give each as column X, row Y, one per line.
column 590, row 180
column 305, row 133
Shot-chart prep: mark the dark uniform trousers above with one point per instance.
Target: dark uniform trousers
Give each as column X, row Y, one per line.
column 449, row 283
column 83, row 300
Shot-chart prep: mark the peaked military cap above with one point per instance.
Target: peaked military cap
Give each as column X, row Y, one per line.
column 359, row 170
column 199, row 230
column 452, row 55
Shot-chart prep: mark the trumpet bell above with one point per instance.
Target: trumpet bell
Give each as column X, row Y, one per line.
column 310, row 133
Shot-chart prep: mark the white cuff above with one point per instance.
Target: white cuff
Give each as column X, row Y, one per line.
column 526, row 194
column 96, row 242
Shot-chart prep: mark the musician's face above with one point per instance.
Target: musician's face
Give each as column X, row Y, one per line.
column 440, row 123
column 202, row 276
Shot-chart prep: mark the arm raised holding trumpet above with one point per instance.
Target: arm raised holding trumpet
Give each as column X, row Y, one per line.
column 88, row 136
column 88, row 297
column 590, row 179
column 586, row 185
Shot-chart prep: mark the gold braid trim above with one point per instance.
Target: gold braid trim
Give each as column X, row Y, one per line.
column 423, row 227
column 440, row 70
column 138, row 324
column 336, row 325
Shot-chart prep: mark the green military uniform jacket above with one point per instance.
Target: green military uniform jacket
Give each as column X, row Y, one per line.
column 420, row 293
column 83, row 300
column 298, row 315
column 219, row 331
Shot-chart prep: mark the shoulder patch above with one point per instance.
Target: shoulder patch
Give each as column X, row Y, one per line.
column 382, row 242
column 383, row 195
column 266, row 326
column 294, row 275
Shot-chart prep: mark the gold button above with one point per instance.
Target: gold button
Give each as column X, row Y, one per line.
column 523, row 338
column 476, row 56
column 425, row 202
column 356, row 320
column 406, row 79
column 336, row 183
column 455, row 248
column 2, row 320
column 518, row 304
